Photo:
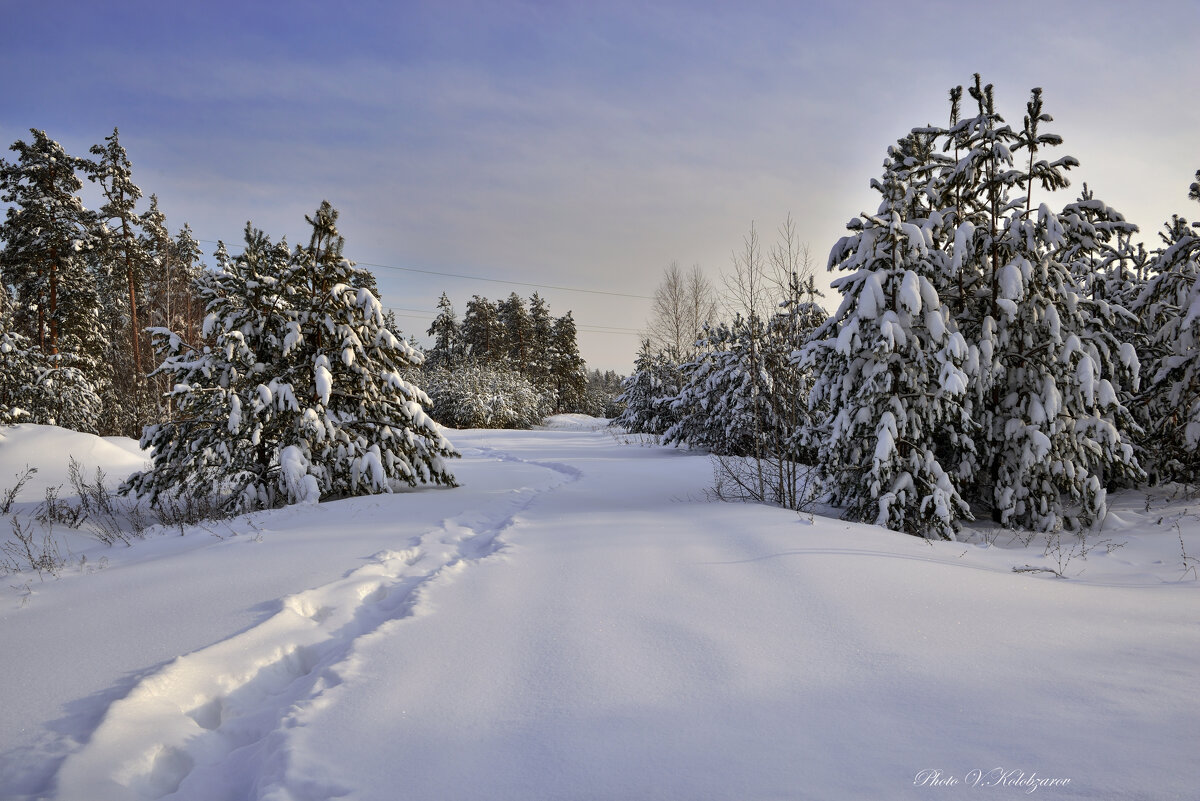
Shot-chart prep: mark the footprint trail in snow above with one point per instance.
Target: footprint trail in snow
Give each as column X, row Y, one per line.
column 210, row 719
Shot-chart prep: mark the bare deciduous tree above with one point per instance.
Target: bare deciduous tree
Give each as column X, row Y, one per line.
column 770, row 295
column 759, row 280
column 683, row 303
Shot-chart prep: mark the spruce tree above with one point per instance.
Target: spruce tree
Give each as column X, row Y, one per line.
column 21, row 366
column 541, row 327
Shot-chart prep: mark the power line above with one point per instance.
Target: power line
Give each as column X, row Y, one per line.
column 490, row 280
column 503, row 281
column 587, row 328
column 615, row 333
column 614, row 328
column 421, row 314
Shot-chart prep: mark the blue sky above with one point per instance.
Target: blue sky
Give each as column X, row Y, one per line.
column 581, row 144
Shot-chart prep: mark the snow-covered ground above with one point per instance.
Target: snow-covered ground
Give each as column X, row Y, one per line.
column 577, row 621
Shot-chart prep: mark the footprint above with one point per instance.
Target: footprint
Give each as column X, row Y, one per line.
column 171, row 766
column 304, row 606
column 208, row 715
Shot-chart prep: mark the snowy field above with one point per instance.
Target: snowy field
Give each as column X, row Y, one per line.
column 577, row 621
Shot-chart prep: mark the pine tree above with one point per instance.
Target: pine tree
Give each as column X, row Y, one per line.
column 1098, row 249
column 124, row 252
column 481, row 331
column 448, row 349
column 712, row 410
column 183, row 302
column 300, row 397
column 890, row 366
column 1169, row 310
column 176, row 303
column 129, row 261
column 1053, row 425
column 789, row 417
column 348, row 364
column 364, row 279
column 568, row 373
column 602, row 391
column 649, row 392
column 518, row 332
column 47, row 235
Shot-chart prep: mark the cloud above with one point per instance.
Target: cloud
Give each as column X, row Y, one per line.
column 583, row 143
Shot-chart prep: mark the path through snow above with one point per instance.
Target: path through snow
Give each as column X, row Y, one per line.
column 211, row 722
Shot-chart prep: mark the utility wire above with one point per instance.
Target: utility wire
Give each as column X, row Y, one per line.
column 419, row 314
column 432, row 314
column 491, row 280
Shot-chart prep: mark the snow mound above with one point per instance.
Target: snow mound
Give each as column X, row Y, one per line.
column 574, row 422
column 50, row 449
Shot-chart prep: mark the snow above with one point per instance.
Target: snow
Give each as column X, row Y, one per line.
column 871, row 300
column 301, row 484
column 1011, row 281
column 235, row 414
column 962, row 245
column 910, row 292
column 578, row 620
column 323, row 379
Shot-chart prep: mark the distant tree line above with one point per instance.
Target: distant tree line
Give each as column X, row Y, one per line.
column 509, row 363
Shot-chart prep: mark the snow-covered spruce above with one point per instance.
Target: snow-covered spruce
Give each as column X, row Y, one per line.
column 649, row 392
column 34, row 390
column 742, row 393
column 713, row 408
column 18, row 374
column 1169, row 310
column 300, row 396
column 890, row 367
column 1051, row 388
